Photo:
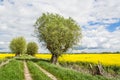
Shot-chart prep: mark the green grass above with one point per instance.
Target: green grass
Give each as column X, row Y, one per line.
column 112, row 70
column 2, row 60
column 12, row 71
column 25, row 56
column 36, row 73
column 68, row 74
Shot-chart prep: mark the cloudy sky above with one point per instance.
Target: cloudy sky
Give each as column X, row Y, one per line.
column 99, row 20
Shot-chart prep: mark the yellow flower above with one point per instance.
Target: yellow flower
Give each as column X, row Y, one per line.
column 2, row 56
column 105, row 59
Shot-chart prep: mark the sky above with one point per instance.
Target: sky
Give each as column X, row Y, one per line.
column 99, row 20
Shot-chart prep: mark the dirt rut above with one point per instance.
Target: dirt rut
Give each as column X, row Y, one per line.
column 4, row 63
column 26, row 72
column 46, row 72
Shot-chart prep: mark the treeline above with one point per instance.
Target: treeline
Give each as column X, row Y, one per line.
column 98, row 53
column 72, row 53
column 20, row 46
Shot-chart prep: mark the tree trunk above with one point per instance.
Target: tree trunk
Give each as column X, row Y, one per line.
column 17, row 54
column 54, row 59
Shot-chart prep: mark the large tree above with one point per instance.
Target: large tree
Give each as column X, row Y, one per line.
column 18, row 45
column 57, row 33
column 32, row 48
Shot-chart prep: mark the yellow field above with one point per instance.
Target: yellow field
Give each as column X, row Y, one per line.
column 2, row 56
column 105, row 59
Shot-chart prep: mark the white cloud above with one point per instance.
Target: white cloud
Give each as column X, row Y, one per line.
column 18, row 17
column 100, row 38
column 2, row 43
column 3, row 26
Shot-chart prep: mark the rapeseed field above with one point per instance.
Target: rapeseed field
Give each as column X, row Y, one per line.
column 105, row 59
column 2, row 56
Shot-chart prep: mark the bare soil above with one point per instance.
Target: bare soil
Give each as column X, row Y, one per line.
column 26, row 72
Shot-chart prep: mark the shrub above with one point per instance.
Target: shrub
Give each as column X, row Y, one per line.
column 32, row 48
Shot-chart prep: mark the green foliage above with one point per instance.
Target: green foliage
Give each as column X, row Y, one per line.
column 12, row 71
column 18, row 45
column 36, row 73
column 57, row 33
column 113, row 69
column 32, row 48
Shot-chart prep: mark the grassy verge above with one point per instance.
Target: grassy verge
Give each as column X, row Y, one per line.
column 36, row 73
column 12, row 71
column 111, row 71
column 25, row 56
column 0, row 61
column 3, row 60
column 68, row 74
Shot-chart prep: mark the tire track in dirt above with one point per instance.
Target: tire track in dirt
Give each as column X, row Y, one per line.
column 46, row 72
column 4, row 63
column 26, row 72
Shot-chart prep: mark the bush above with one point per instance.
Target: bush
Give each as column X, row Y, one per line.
column 32, row 48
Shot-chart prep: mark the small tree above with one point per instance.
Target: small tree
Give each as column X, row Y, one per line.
column 32, row 48
column 18, row 45
column 57, row 33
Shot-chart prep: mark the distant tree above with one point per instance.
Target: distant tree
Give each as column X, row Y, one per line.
column 117, row 52
column 18, row 45
column 57, row 33
column 32, row 48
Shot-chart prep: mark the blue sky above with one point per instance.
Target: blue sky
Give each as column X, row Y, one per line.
column 99, row 20
column 114, row 26
column 109, row 26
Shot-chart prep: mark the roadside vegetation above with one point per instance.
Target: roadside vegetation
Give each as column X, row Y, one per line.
column 110, row 71
column 68, row 74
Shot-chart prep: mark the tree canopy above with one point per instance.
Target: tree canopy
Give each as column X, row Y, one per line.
column 18, row 45
column 32, row 48
column 57, row 33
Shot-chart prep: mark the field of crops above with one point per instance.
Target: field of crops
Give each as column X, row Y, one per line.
column 105, row 59
column 2, row 56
